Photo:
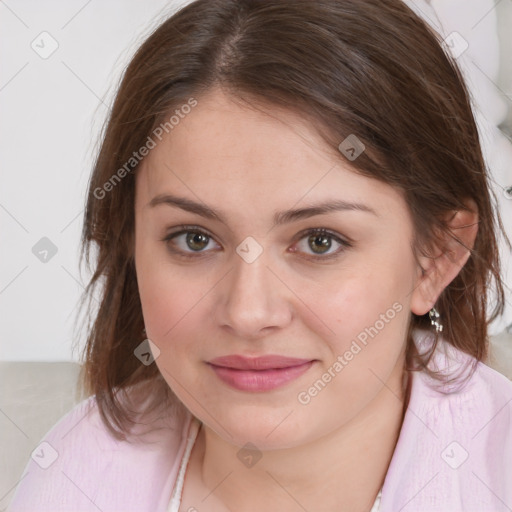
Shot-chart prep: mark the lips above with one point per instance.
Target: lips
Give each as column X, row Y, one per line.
column 267, row 362
column 259, row 374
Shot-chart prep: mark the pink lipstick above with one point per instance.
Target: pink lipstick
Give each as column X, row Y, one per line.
column 260, row 373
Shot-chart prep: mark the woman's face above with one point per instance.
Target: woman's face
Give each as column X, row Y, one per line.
column 248, row 286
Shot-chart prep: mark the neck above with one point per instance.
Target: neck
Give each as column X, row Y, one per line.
column 343, row 470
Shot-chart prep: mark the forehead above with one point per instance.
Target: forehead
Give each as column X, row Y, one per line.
column 241, row 138
column 223, row 152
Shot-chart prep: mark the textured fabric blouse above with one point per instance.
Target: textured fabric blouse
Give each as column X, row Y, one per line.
column 453, row 454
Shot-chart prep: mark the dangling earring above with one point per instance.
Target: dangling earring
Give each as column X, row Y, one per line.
column 434, row 319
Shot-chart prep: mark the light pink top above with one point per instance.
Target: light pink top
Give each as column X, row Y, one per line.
column 454, row 454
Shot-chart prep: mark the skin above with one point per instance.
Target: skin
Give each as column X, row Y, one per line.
column 333, row 452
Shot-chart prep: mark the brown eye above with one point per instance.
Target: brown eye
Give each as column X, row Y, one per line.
column 192, row 242
column 196, row 241
column 188, row 242
column 318, row 242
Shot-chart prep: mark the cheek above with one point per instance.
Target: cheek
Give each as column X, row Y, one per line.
column 369, row 304
column 171, row 304
column 168, row 302
column 369, row 315
column 167, row 295
column 176, row 304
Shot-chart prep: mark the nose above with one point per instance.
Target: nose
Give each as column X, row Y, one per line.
column 253, row 299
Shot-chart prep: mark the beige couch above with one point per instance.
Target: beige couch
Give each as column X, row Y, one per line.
column 33, row 396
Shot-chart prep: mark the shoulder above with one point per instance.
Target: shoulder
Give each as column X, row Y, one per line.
column 473, row 381
column 80, row 466
column 478, row 398
column 454, row 450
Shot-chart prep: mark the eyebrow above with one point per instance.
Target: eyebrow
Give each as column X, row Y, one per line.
column 280, row 218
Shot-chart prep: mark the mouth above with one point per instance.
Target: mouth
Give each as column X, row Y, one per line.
column 259, row 374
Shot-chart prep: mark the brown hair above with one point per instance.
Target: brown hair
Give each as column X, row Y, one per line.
column 366, row 67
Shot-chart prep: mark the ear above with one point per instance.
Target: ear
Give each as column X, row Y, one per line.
column 437, row 271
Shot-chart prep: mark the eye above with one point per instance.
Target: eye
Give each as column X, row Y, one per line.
column 190, row 241
column 319, row 241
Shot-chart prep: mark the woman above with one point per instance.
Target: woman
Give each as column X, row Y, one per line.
column 296, row 242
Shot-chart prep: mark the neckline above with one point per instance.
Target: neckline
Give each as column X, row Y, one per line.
column 376, row 503
column 193, row 431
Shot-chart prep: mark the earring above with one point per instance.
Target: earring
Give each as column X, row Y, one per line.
column 434, row 319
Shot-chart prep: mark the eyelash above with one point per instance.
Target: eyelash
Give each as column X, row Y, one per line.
column 308, row 232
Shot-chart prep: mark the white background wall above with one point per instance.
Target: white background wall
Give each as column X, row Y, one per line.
column 51, row 111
